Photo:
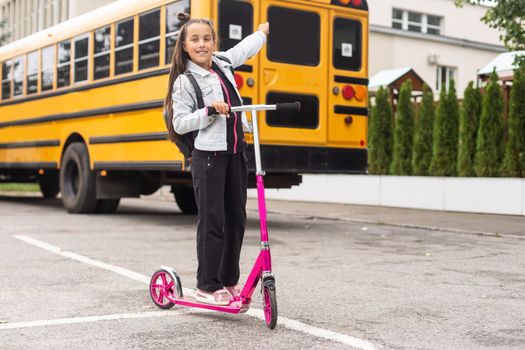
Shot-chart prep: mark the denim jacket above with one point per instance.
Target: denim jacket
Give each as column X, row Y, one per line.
column 187, row 117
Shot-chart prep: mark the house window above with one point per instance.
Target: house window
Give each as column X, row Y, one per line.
column 444, row 76
column 416, row 22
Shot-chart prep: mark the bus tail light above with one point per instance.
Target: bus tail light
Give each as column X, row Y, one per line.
column 353, row 2
column 360, row 93
column 348, row 92
column 238, row 80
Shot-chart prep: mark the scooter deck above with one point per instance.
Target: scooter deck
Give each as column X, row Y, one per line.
column 235, row 307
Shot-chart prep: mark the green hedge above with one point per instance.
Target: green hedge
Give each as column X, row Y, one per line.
column 445, row 135
column 468, row 130
column 380, row 134
column 489, row 147
column 514, row 159
column 422, row 154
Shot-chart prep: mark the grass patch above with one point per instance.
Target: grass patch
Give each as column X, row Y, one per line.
column 19, row 187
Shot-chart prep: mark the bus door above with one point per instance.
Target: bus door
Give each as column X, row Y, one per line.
column 348, row 79
column 294, row 67
column 237, row 20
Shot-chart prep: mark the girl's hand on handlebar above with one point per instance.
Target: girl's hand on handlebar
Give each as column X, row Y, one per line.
column 221, row 107
column 264, row 27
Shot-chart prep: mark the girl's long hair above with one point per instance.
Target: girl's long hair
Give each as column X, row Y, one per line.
column 178, row 67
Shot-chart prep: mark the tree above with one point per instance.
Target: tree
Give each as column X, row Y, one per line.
column 380, row 134
column 403, row 132
column 423, row 134
column 445, row 136
column 514, row 159
column 468, row 130
column 5, row 36
column 489, row 148
column 508, row 16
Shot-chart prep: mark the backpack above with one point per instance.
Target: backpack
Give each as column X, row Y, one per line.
column 185, row 142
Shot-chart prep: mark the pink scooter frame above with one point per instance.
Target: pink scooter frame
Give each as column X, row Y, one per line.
column 262, row 269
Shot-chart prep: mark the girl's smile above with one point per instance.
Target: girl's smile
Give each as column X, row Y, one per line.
column 199, row 44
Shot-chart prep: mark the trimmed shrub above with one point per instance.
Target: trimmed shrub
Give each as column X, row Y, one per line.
column 489, row 147
column 514, row 159
column 445, row 135
column 468, row 130
column 380, row 134
column 422, row 154
column 403, row 132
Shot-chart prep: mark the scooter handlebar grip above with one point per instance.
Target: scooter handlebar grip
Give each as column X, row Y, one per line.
column 212, row 110
column 288, row 107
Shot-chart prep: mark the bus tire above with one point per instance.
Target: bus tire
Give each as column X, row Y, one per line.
column 107, row 206
column 77, row 181
column 185, row 199
column 49, row 185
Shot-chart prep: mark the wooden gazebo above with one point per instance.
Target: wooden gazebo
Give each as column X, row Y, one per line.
column 393, row 79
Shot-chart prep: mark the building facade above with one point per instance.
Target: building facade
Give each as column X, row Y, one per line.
column 25, row 17
column 434, row 37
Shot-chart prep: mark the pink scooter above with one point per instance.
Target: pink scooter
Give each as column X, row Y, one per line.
column 165, row 285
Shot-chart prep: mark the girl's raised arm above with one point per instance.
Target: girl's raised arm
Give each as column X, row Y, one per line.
column 248, row 47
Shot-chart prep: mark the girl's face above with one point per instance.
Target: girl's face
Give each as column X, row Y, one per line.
column 199, row 44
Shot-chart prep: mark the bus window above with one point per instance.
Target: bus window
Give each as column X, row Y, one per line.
column 32, row 73
column 101, row 51
column 18, row 76
column 81, row 58
column 149, row 39
column 347, row 44
column 296, row 36
column 306, row 118
column 48, row 65
column 235, row 23
column 64, row 63
column 172, row 25
column 124, row 47
column 6, row 80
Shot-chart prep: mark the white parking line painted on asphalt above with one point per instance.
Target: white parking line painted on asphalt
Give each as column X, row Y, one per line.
column 257, row 313
column 88, row 319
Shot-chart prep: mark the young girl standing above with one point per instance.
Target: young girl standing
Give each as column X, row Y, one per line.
column 219, row 166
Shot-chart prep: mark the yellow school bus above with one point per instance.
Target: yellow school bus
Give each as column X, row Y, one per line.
column 80, row 106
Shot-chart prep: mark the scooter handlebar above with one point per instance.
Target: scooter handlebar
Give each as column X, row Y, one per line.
column 281, row 107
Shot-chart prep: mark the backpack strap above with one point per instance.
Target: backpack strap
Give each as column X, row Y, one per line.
column 225, row 59
column 196, row 87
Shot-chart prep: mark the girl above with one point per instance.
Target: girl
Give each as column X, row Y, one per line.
column 219, row 166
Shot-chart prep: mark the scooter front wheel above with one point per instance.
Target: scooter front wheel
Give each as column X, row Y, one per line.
column 161, row 286
column 270, row 304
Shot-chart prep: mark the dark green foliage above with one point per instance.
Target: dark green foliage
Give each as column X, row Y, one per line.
column 489, row 148
column 380, row 134
column 514, row 159
column 445, row 135
column 423, row 134
column 403, row 132
column 468, row 130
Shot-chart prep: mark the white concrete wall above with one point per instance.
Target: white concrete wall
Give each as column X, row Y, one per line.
column 476, row 195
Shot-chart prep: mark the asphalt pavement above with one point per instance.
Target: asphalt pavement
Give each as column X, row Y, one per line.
column 347, row 277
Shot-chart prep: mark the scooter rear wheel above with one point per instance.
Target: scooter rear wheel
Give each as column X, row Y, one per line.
column 270, row 304
column 162, row 285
